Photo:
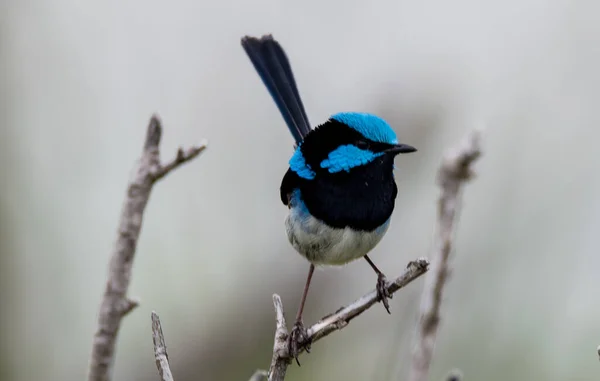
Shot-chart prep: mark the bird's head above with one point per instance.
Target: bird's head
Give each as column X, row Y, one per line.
column 346, row 141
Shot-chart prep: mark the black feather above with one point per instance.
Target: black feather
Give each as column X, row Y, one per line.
column 289, row 182
column 273, row 67
column 362, row 199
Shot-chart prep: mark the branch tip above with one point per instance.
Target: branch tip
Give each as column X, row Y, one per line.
column 259, row 375
column 454, row 375
column 154, row 133
column 160, row 349
column 278, row 304
column 419, row 263
column 457, row 163
column 280, row 359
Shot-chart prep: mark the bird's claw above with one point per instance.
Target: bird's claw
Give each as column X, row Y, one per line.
column 382, row 292
column 298, row 340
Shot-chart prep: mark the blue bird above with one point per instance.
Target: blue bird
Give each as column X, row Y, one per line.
column 340, row 187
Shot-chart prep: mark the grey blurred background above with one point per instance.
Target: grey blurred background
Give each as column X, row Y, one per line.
column 79, row 81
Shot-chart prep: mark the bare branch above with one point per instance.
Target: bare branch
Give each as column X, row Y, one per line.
column 160, row 349
column 115, row 303
column 453, row 173
column 281, row 359
column 335, row 321
column 342, row 317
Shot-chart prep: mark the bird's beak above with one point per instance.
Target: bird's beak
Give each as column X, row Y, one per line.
column 400, row 148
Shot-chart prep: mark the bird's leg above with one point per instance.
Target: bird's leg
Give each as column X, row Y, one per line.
column 382, row 291
column 298, row 338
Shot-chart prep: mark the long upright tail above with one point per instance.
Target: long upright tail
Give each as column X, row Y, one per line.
column 274, row 69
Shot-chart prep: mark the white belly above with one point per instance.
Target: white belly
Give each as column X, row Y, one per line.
column 324, row 245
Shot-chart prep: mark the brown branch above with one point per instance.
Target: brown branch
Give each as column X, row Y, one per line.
column 160, row 349
column 454, row 172
column 115, row 303
column 335, row 321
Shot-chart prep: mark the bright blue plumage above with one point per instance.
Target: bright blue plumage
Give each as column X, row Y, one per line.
column 299, row 166
column 347, row 157
column 370, row 126
column 340, row 187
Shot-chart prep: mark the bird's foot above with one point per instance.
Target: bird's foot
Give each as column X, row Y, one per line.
column 298, row 340
column 382, row 292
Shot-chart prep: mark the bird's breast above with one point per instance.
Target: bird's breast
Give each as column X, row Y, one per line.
column 335, row 218
column 322, row 244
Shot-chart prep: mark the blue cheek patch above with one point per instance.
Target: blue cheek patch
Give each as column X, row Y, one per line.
column 370, row 126
column 347, row 157
column 299, row 166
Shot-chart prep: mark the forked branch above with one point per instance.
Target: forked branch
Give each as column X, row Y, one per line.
column 115, row 302
column 335, row 321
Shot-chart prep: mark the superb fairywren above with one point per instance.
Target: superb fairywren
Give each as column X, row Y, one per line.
column 340, row 187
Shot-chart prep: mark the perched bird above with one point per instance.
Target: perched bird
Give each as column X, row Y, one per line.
column 339, row 187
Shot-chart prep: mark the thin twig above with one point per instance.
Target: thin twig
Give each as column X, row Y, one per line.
column 115, row 303
column 335, row 321
column 160, row 349
column 181, row 157
column 453, row 173
column 342, row 317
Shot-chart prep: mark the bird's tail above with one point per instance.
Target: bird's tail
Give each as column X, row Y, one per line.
column 274, row 69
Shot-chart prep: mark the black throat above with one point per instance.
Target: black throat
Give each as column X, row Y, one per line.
column 362, row 199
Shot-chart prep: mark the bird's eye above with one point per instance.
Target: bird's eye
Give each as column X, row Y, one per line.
column 362, row 144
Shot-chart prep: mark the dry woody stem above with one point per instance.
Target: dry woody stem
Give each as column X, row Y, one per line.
column 335, row 321
column 454, row 172
column 115, row 302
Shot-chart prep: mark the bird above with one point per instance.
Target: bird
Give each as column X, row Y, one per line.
column 339, row 187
